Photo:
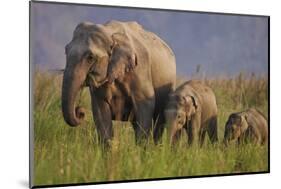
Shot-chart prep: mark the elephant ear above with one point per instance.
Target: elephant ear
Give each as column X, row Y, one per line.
column 244, row 122
column 190, row 100
column 193, row 100
column 123, row 57
column 119, row 39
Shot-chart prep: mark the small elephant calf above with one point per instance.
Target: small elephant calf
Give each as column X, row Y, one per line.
column 192, row 107
column 247, row 126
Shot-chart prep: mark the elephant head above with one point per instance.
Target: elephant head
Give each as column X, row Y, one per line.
column 87, row 57
column 235, row 127
column 179, row 111
column 123, row 57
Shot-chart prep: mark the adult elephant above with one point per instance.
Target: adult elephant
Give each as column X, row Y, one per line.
column 129, row 72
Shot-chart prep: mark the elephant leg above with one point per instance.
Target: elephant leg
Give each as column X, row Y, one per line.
column 253, row 138
column 158, row 128
column 103, row 120
column 192, row 135
column 135, row 126
column 193, row 130
column 187, row 130
column 178, row 135
column 189, row 133
column 212, row 130
column 239, row 141
column 144, row 118
column 252, row 135
column 202, row 134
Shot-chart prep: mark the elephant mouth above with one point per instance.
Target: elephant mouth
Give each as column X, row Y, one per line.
column 91, row 81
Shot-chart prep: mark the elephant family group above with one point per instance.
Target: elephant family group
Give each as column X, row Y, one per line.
column 131, row 76
column 192, row 107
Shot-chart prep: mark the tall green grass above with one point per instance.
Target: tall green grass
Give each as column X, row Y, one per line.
column 71, row 155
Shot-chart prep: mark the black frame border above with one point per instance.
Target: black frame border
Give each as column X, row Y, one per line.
column 136, row 180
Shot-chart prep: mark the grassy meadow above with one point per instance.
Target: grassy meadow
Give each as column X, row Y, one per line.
column 71, row 155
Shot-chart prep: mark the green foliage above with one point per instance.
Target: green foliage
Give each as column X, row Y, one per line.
column 71, row 155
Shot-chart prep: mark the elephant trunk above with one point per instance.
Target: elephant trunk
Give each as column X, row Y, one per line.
column 226, row 137
column 172, row 132
column 72, row 83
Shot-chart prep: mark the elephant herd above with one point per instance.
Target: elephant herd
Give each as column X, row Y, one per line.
column 131, row 76
column 192, row 107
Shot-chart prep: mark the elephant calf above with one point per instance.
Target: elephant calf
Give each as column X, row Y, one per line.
column 192, row 107
column 247, row 126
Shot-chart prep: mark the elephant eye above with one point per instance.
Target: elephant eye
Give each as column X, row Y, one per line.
column 91, row 59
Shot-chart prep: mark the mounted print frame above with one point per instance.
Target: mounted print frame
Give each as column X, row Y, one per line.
column 123, row 94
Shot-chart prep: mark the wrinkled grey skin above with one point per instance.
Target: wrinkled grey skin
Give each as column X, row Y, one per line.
column 192, row 107
column 247, row 126
column 129, row 72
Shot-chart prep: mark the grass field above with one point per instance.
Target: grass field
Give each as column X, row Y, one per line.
column 71, row 155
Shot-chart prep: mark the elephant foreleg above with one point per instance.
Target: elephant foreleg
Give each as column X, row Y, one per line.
column 202, row 134
column 193, row 130
column 144, row 119
column 212, row 130
column 103, row 120
column 177, row 136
